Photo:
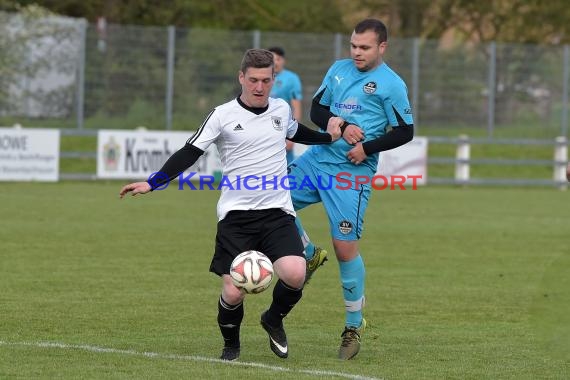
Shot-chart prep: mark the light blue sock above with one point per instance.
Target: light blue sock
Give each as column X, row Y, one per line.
column 307, row 245
column 352, row 274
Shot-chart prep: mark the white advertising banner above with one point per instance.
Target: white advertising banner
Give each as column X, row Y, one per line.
column 408, row 160
column 137, row 154
column 29, row 154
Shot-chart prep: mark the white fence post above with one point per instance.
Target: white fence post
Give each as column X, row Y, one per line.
column 560, row 160
column 462, row 158
column 256, row 39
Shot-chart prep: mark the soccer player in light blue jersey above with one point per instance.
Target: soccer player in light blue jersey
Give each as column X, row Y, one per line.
column 369, row 101
column 287, row 86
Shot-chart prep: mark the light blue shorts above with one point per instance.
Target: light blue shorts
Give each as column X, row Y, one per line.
column 345, row 207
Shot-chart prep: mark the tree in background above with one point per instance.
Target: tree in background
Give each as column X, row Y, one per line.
column 524, row 21
column 291, row 15
column 510, row 21
column 34, row 43
column 457, row 32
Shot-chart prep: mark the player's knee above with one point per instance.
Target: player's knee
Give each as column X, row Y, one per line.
column 291, row 270
column 345, row 250
column 296, row 279
column 230, row 293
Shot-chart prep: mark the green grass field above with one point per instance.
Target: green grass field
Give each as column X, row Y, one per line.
column 462, row 283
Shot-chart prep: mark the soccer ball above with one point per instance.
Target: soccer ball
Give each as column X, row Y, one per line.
column 252, row 272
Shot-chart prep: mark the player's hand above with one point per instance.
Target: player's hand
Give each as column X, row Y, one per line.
column 356, row 155
column 353, row 134
column 334, row 130
column 335, row 121
column 135, row 188
column 333, row 127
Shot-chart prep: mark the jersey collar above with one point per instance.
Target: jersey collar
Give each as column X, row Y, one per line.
column 257, row 111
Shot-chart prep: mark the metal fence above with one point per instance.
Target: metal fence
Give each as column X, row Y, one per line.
column 65, row 73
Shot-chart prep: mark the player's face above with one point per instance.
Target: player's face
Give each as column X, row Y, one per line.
column 279, row 62
column 255, row 86
column 365, row 51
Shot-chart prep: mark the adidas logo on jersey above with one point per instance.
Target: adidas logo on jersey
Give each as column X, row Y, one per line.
column 238, row 128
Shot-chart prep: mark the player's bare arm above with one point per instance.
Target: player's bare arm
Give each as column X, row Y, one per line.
column 568, row 172
column 135, row 188
column 297, row 109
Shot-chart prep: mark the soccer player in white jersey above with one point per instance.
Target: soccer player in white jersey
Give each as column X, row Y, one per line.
column 250, row 133
column 370, row 102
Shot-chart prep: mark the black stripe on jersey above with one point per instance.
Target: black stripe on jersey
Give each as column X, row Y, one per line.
column 319, row 95
column 401, row 121
column 199, row 131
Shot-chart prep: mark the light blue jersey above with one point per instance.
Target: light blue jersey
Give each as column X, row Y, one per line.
column 372, row 100
column 287, row 86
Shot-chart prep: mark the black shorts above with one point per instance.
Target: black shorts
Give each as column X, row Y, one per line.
column 271, row 232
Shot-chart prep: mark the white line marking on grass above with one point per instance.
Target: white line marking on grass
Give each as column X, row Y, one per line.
column 157, row 355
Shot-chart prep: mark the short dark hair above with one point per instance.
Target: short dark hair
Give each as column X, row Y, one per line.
column 277, row 50
column 256, row 58
column 374, row 25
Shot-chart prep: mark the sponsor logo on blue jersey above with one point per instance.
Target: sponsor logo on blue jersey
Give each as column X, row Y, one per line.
column 370, row 87
column 346, row 106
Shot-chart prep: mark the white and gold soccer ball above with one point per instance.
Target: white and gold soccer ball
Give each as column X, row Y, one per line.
column 252, row 272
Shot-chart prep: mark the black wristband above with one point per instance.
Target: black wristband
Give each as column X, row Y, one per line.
column 343, row 127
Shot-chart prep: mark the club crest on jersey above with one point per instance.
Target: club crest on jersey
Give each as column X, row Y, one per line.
column 345, row 227
column 370, row 87
column 276, row 121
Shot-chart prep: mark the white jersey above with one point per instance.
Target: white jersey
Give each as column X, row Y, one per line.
column 252, row 152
